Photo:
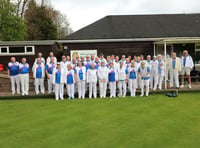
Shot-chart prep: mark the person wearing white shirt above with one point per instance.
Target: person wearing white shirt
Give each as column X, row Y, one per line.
column 161, row 71
column 132, row 75
column 70, row 81
column 39, row 74
column 144, row 72
column 137, row 65
column 92, row 58
column 122, row 79
column 40, row 56
column 154, row 74
column 112, row 79
column 49, row 71
column 187, row 65
column 80, row 77
column 58, row 79
column 103, row 79
column 13, row 74
column 24, row 76
column 116, row 62
column 174, row 67
column 92, row 80
column 64, row 62
column 102, row 58
column 51, row 54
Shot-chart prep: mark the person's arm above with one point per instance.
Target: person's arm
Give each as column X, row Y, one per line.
column 8, row 73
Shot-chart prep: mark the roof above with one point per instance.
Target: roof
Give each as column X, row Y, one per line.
column 140, row 26
column 18, row 43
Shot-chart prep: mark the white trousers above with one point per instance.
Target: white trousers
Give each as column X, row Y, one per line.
column 112, row 87
column 132, row 86
column 59, row 91
column 103, row 88
column 153, row 80
column 15, row 80
column 70, row 90
column 92, row 89
column 122, row 88
column 39, row 83
column 143, row 84
column 138, row 81
column 174, row 78
column 24, row 79
column 160, row 79
column 81, row 89
column 51, row 87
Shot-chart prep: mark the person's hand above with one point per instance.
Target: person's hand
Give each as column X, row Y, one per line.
column 48, row 76
column 9, row 76
column 126, row 80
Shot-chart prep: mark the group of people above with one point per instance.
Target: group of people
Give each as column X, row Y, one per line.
column 82, row 74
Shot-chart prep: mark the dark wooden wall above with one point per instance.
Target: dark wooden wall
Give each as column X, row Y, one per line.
column 127, row 48
column 45, row 49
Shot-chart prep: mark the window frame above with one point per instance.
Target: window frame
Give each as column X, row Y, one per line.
column 24, row 53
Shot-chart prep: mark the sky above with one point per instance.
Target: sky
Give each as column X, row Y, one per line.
column 81, row 13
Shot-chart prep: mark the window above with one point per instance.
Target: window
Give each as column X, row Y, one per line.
column 17, row 50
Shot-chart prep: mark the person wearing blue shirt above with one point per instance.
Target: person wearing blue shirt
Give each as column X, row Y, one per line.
column 132, row 76
column 13, row 71
column 24, row 76
column 144, row 72
column 49, row 70
column 39, row 74
column 58, row 79
column 80, row 77
column 112, row 79
column 69, row 81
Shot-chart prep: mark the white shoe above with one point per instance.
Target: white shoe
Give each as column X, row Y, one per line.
column 13, row 93
column 123, row 96
column 141, row 95
column 189, row 86
column 110, row 96
column 147, row 95
column 100, row 96
column 182, row 86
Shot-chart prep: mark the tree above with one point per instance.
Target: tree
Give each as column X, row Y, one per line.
column 12, row 27
column 39, row 24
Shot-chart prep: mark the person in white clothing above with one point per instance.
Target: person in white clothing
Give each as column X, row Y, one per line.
column 116, row 62
column 39, row 74
column 92, row 80
column 112, row 79
column 132, row 75
column 122, row 79
column 58, row 79
column 64, row 62
column 154, row 74
column 49, row 70
column 13, row 74
column 24, row 76
column 187, row 65
column 174, row 67
column 101, row 58
column 51, row 55
column 144, row 72
column 103, row 79
column 80, row 77
column 69, row 81
column 40, row 56
column 137, row 65
column 161, row 71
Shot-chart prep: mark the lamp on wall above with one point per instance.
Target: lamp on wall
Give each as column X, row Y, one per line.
column 65, row 47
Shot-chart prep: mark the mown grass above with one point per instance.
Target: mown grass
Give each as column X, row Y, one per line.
column 156, row 121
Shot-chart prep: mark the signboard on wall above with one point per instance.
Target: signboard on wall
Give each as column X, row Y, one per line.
column 84, row 53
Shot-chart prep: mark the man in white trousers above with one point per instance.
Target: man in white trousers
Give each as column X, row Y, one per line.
column 132, row 75
column 24, row 76
column 154, row 74
column 144, row 72
column 58, row 79
column 161, row 71
column 112, row 79
column 174, row 67
column 103, row 79
column 40, row 56
column 13, row 74
column 92, row 80
column 49, row 70
column 122, row 79
column 70, row 81
column 187, row 65
column 137, row 65
column 39, row 74
column 80, row 77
